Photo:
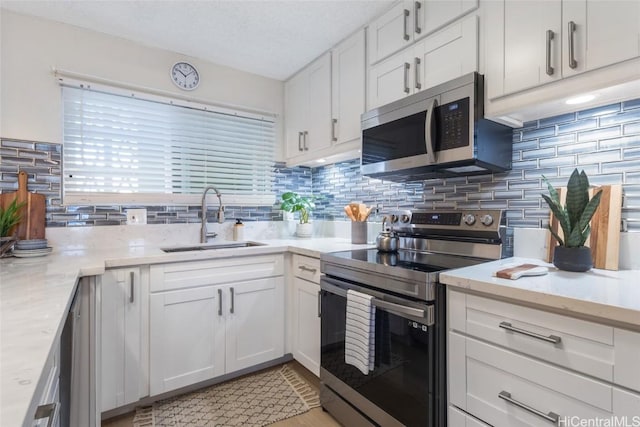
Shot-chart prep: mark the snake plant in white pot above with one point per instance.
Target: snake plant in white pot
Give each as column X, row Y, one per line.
column 293, row 202
column 574, row 218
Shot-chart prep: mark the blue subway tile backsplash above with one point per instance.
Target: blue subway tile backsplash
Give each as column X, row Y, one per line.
column 604, row 141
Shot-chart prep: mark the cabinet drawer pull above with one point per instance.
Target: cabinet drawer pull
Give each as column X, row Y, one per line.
column 406, row 18
column 46, row 411
column 232, row 301
column 553, row 339
column 305, row 268
column 407, row 89
column 572, row 57
column 306, row 134
column 550, row 36
column 219, row 302
column 299, row 141
column 333, row 129
column 131, row 277
column 551, row 417
column 416, row 62
column 416, row 8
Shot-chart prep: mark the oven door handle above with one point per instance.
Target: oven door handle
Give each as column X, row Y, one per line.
column 399, row 309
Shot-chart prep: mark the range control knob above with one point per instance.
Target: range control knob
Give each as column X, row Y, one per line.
column 404, row 218
column 393, row 219
column 469, row 219
column 487, row 220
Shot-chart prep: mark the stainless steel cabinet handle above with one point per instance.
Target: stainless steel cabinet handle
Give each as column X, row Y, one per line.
column 572, row 57
column 430, row 130
column 232, row 301
column 46, row 411
column 416, row 62
column 407, row 89
column 333, row 129
column 319, row 303
column 552, row 417
column 406, row 18
column 306, row 147
column 219, row 302
column 551, row 338
column 131, row 277
column 416, row 19
column 550, row 36
column 299, row 141
column 305, row 268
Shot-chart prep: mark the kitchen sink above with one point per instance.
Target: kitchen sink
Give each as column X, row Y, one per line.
column 208, row 247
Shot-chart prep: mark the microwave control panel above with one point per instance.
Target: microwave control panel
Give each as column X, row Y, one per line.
column 453, row 125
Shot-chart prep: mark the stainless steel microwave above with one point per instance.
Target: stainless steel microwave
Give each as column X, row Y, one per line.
column 437, row 132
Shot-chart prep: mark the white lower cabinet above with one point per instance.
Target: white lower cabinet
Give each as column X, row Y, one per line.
column 458, row 418
column 306, row 312
column 510, row 365
column 215, row 328
column 123, row 370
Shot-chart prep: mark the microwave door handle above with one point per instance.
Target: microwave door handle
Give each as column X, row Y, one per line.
column 429, row 131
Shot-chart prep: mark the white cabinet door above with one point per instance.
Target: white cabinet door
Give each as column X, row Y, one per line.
column 318, row 122
column 121, row 331
column 391, row 32
column 532, row 42
column 606, row 32
column 391, row 79
column 187, row 337
column 306, row 324
column 296, row 105
column 255, row 322
column 446, row 54
column 434, row 14
column 348, row 88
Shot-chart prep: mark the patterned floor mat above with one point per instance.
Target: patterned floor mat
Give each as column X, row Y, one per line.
column 254, row 401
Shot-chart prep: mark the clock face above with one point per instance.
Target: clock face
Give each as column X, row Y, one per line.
column 185, row 76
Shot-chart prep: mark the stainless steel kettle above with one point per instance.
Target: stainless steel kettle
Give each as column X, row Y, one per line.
column 387, row 240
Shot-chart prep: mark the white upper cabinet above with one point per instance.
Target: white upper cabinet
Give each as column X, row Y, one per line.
column 444, row 55
column 409, row 21
column 308, row 108
column 531, row 43
column 347, row 88
column 597, row 33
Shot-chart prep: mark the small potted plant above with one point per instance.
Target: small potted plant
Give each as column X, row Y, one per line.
column 293, row 202
column 9, row 218
column 574, row 218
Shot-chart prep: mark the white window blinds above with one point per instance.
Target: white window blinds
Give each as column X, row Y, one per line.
column 122, row 149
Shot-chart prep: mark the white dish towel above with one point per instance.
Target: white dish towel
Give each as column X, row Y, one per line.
column 359, row 343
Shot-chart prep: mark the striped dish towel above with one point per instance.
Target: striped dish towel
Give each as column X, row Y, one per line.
column 359, row 343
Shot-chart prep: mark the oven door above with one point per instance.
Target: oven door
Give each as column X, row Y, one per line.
column 401, row 388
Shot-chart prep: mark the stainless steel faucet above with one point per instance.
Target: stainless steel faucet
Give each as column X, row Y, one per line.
column 203, row 230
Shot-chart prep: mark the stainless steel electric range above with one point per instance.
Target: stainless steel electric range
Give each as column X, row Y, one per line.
column 407, row 386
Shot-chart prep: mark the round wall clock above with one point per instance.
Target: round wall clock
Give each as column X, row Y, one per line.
column 185, row 76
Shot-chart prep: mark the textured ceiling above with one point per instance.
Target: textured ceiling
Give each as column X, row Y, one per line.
column 270, row 38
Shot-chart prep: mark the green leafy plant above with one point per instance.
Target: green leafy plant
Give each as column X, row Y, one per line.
column 293, row 202
column 9, row 217
column 574, row 217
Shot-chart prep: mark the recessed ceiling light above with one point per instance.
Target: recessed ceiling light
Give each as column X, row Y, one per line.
column 321, row 160
column 580, row 99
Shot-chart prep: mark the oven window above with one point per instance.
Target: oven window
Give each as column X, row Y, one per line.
column 401, row 383
column 398, row 139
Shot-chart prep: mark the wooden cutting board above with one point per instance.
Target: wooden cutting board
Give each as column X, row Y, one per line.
column 604, row 239
column 32, row 223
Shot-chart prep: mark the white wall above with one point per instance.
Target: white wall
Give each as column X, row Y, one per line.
column 30, row 106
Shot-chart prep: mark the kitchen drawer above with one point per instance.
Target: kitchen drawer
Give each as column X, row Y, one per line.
column 457, row 418
column 306, row 268
column 181, row 275
column 555, row 392
column 583, row 346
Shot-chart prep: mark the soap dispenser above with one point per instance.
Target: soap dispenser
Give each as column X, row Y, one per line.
column 238, row 230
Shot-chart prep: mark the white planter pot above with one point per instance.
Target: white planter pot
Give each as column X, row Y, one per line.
column 304, row 230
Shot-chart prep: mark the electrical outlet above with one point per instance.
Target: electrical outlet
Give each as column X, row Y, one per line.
column 136, row 216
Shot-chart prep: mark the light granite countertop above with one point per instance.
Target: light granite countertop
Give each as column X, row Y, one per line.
column 605, row 296
column 36, row 294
